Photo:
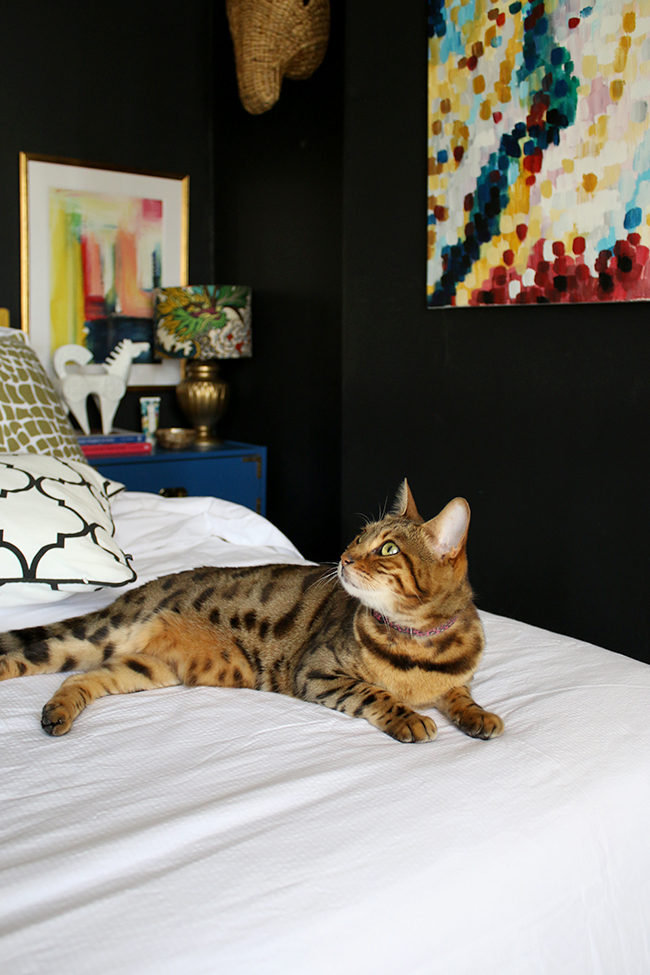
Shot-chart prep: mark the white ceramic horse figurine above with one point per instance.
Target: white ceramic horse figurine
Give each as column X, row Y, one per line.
column 105, row 381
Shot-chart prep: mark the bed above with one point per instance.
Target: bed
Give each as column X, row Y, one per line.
column 205, row 830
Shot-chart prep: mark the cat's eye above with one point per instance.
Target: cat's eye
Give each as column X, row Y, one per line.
column 359, row 537
column 389, row 548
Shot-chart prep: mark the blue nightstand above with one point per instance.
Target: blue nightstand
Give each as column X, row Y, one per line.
column 235, row 471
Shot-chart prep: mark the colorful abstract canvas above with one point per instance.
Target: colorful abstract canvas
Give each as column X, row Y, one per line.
column 105, row 262
column 538, row 152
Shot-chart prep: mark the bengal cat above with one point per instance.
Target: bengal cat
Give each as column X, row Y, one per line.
column 392, row 629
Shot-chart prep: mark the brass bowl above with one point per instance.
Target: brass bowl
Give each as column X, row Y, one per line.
column 175, row 438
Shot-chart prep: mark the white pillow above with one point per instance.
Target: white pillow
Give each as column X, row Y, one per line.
column 56, row 530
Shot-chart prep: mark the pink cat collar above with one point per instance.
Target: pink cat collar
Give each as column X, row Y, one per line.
column 409, row 629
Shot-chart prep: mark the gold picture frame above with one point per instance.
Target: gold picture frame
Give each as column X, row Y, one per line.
column 95, row 241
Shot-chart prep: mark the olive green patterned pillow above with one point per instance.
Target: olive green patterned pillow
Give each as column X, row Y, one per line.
column 32, row 418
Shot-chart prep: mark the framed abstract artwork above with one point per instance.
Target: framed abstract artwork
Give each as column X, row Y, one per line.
column 95, row 243
column 538, row 152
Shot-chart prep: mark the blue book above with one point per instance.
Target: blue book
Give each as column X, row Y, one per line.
column 115, row 436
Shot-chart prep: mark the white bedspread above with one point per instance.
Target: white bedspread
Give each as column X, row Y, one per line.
column 230, row 832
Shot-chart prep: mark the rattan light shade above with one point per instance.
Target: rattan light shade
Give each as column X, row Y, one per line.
column 274, row 39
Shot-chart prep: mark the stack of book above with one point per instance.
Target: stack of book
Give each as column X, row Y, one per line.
column 114, row 444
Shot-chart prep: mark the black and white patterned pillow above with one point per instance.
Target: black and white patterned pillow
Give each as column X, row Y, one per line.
column 56, row 530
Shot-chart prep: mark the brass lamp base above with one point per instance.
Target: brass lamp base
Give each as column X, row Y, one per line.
column 203, row 398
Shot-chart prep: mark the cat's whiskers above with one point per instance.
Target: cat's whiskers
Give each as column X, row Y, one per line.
column 328, row 577
column 369, row 520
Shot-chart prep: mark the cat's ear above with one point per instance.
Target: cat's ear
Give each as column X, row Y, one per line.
column 448, row 530
column 404, row 506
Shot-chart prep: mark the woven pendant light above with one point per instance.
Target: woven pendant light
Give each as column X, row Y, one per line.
column 275, row 39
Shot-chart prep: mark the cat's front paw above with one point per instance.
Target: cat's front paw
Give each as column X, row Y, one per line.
column 56, row 719
column 481, row 724
column 411, row 727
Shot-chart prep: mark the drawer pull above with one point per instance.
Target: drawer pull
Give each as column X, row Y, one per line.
column 254, row 459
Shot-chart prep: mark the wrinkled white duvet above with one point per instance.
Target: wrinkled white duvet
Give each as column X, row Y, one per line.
column 231, row 832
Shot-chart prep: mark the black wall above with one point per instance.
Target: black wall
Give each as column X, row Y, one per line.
column 538, row 416
column 278, row 220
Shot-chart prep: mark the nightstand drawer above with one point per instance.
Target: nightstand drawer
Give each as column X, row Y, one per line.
column 236, row 472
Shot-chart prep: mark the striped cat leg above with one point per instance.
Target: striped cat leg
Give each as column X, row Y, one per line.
column 74, row 644
column 460, row 707
column 360, row 699
column 15, row 663
column 134, row 672
column 32, row 651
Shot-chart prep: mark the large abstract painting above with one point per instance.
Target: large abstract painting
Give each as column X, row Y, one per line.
column 538, row 152
column 97, row 242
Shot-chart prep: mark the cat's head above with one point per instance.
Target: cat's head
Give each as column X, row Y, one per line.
column 401, row 564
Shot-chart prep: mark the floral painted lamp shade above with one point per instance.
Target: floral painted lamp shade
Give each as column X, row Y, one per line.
column 203, row 322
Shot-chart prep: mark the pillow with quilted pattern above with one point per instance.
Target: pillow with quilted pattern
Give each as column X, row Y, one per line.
column 56, row 530
column 32, row 418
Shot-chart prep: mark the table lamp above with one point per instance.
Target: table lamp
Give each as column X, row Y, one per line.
column 202, row 324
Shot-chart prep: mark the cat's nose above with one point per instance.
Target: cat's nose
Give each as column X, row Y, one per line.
column 346, row 559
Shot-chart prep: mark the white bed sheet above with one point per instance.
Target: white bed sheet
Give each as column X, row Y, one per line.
column 210, row 830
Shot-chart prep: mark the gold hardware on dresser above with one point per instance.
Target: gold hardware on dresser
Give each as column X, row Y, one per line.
column 256, row 459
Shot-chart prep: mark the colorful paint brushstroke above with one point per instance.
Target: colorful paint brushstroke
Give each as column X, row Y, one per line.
column 105, row 263
column 538, row 152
